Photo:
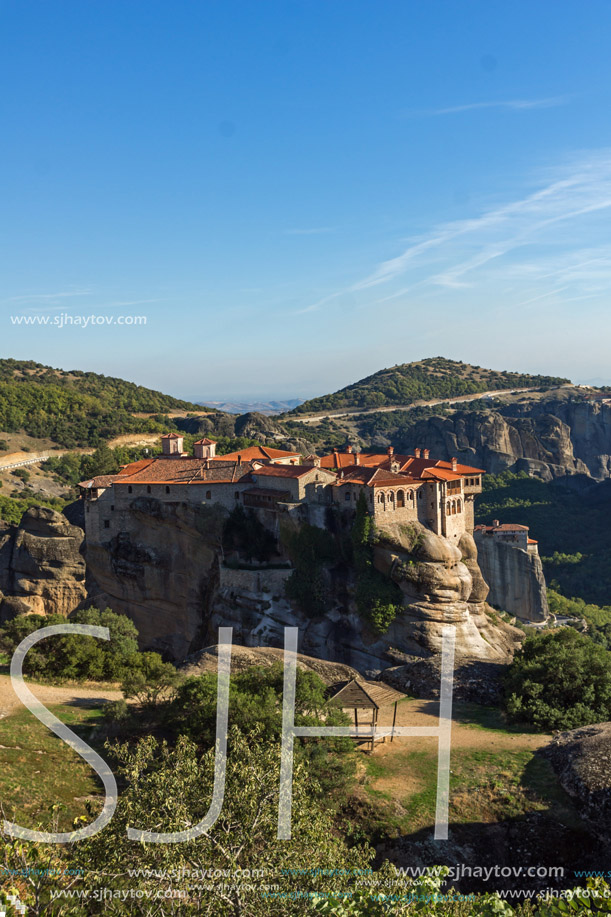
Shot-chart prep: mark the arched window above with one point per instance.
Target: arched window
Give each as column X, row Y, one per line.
column 459, row 506
column 453, row 507
column 130, row 489
column 400, row 498
column 208, row 495
column 391, row 496
column 382, row 498
column 148, row 489
column 167, row 490
column 448, row 510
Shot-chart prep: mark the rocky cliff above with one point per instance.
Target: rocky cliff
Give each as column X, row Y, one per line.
column 163, row 572
column 548, row 439
column 515, row 577
column 581, row 760
column 42, row 569
column 166, row 572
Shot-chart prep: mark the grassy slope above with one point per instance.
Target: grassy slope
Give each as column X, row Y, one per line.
column 39, row 771
column 495, row 777
column 436, row 377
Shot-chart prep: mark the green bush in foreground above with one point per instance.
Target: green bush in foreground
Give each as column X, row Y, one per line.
column 559, row 680
column 76, row 657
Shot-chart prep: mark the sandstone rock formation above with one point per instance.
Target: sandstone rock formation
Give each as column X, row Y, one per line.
column 582, row 761
column 515, row 576
column 162, row 572
column 441, row 584
column 165, row 570
column 242, row 657
column 42, row 570
column 549, row 439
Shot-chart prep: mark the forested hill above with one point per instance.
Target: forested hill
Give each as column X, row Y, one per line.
column 428, row 379
column 77, row 408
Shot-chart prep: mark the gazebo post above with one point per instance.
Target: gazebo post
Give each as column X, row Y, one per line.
column 374, row 724
column 394, row 720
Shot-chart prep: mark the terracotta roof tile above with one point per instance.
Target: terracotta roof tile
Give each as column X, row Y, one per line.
column 185, row 471
column 283, row 471
column 263, row 453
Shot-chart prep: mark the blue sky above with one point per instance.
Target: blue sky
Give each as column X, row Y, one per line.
column 296, row 194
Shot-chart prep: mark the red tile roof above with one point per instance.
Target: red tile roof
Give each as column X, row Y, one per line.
column 376, row 477
column 263, row 453
column 172, row 436
column 135, row 467
column 184, row 471
column 283, row 471
column 205, row 442
column 102, row 480
column 415, row 467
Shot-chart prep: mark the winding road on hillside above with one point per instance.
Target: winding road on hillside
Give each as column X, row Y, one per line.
column 353, row 412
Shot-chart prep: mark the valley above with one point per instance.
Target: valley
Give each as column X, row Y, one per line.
column 355, row 526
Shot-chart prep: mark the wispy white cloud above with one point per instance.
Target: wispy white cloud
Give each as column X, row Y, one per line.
column 126, row 302
column 547, row 237
column 507, row 104
column 49, row 297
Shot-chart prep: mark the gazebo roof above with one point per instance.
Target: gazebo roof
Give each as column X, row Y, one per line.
column 360, row 693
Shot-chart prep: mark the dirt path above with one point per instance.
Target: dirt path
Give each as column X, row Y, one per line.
column 397, row 776
column 464, row 735
column 53, row 694
column 316, row 418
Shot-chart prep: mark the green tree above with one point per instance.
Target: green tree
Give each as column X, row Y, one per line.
column 559, row 680
column 149, row 680
column 169, row 789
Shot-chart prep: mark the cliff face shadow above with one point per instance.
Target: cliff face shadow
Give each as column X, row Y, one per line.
column 530, row 854
column 512, row 825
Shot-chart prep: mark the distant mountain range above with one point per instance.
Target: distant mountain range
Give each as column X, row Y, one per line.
column 259, row 407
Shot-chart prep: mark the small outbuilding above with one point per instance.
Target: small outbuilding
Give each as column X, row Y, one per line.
column 358, row 694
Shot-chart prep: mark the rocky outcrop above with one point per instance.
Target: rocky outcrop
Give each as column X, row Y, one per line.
column 515, row 576
column 166, row 571
column 541, row 445
column 42, row 568
column 582, row 760
column 589, row 423
column 441, row 584
column 162, row 571
column 549, row 439
column 243, row 657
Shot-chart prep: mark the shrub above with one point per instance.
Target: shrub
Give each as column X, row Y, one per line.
column 73, row 656
column 149, row 680
column 559, row 680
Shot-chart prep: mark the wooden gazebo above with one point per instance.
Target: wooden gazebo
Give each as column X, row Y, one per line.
column 358, row 694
